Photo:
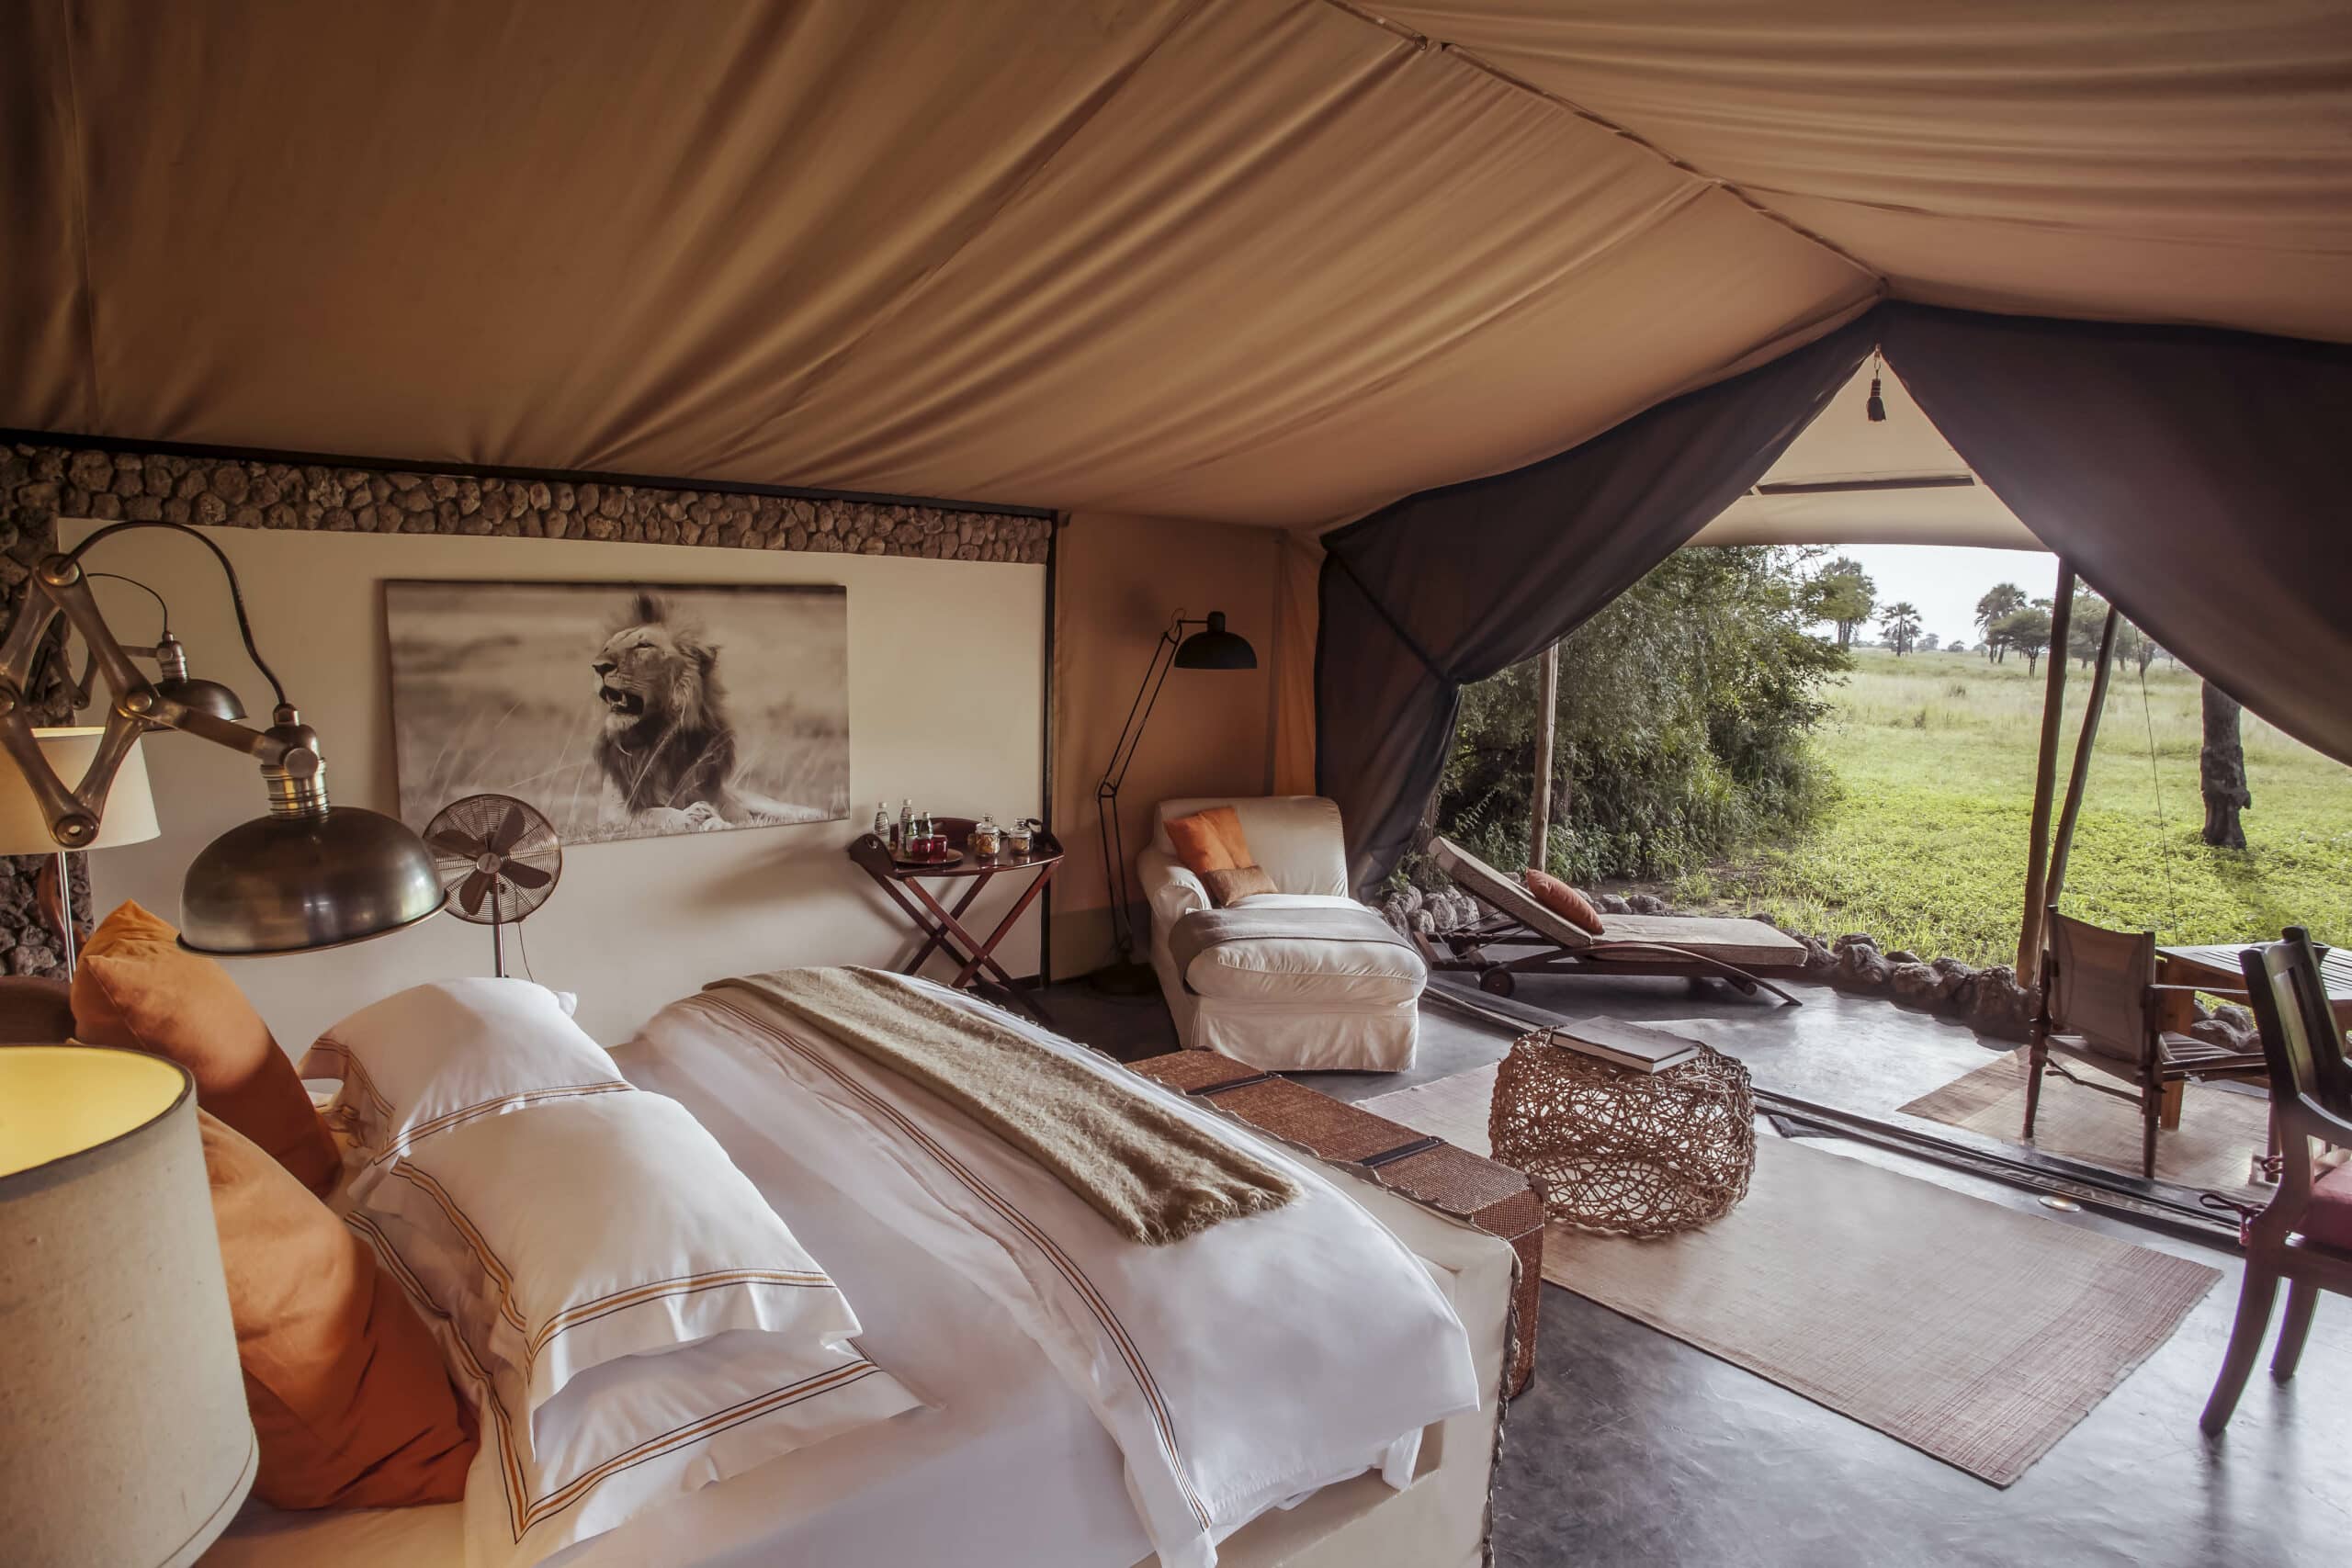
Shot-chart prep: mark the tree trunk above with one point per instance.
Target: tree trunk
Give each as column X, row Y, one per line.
column 2220, row 770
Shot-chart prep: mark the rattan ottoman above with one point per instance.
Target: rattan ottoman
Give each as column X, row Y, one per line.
column 1621, row 1152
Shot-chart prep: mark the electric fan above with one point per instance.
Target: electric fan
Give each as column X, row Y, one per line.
column 498, row 859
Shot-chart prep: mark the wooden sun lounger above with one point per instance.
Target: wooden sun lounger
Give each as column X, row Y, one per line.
column 1698, row 947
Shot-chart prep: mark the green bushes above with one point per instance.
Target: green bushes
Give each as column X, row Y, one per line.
column 1685, row 714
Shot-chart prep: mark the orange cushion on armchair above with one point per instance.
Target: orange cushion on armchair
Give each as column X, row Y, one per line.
column 1204, row 845
column 139, row 989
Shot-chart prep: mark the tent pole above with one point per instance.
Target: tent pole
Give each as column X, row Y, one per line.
column 1547, row 716
column 2045, row 771
column 2068, row 813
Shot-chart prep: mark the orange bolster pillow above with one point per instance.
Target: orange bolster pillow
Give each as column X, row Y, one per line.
column 1564, row 901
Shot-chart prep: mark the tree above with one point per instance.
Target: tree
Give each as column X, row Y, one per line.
column 1928, row 642
column 2220, row 770
column 1684, row 734
column 1900, row 621
column 2027, row 631
column 1998, row 601
column 2089, row 623
column 1844, row 595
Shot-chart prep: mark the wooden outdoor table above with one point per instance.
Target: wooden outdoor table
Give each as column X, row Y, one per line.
column 2214, row 969
column 943, row 927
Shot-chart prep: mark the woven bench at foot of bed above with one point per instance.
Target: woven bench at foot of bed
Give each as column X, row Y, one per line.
column 1422, row 1170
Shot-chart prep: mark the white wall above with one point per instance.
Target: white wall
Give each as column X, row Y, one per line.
column 944, row 670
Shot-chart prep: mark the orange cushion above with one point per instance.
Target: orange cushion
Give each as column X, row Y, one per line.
column 1199, row 845
column 348, row 1394
column 137, row 988
column 1227, row 823
column 1563, row 900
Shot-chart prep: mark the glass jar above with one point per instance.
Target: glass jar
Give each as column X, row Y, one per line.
column 1017, row 837
column 986, row 838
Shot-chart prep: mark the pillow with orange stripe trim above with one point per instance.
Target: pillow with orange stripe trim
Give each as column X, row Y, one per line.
column 349, row 1398
column 435, row 1056
column 598, row 1241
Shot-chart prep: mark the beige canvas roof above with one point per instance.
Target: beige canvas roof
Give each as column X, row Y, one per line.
column 1266, row 260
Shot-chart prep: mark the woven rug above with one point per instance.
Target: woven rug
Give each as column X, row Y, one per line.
column 1970, row 1332
column 2219, row 1132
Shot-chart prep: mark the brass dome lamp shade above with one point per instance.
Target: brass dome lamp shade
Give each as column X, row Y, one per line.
column 309, row 874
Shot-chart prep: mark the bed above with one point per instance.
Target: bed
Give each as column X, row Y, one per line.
column 1008, row 1462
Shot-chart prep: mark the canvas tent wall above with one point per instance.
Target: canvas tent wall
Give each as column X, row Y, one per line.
column 1265, row 262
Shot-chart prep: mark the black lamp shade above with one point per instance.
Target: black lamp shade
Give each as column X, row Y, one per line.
column 1214, row 648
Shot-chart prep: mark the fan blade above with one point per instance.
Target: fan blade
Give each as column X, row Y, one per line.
column 449, row 841
column 509, row 832
column 477, row 887
column 522, row 876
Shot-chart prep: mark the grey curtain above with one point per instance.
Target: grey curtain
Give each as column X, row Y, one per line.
column 2195, row 477
column 1454, row 585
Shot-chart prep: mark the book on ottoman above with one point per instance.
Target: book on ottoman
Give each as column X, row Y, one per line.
column 1632, row 1047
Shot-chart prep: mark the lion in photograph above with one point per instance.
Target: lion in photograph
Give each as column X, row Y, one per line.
column 667, row 753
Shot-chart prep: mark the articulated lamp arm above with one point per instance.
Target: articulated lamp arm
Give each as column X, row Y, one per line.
column 287, row 751
column 304, row 876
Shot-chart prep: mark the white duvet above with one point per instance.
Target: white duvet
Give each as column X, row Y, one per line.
column 1235, row 1370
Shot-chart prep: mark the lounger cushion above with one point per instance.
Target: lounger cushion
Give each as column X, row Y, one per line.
column 1310, row 973
column 1563, row 900
column 2329, row 1219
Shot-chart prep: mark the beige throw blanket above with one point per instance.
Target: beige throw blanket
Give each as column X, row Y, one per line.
column 1154, row 1175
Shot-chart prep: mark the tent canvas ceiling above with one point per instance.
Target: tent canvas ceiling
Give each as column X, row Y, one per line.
column 1266, row 260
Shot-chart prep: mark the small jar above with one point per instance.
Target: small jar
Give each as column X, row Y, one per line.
column 1017, row 838
column 986, row 838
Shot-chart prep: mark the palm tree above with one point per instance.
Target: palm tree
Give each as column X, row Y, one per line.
column 1901, row 623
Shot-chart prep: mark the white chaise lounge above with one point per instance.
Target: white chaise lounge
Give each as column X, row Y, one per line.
column 1284, row 1005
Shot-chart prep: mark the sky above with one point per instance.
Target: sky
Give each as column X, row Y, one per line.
column 1946, row 581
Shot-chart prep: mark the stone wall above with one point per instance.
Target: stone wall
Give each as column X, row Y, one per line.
column 41, row 483
column 38, row 484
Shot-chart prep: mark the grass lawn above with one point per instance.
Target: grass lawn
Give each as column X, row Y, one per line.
column 1934, row 755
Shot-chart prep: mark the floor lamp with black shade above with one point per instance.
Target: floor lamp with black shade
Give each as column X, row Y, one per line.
column 1209, row 647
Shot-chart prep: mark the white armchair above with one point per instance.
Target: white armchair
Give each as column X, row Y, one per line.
column 1288, row 1004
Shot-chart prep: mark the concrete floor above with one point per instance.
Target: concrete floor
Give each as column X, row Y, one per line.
column 1633, row 1448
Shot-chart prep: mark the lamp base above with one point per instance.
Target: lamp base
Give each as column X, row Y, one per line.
column 1126, row 981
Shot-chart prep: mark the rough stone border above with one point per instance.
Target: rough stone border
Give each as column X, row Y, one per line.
column 40, row 483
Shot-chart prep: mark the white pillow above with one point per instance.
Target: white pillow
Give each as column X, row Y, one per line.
column 586, row 1230
column 435, row 1057
column 635, row 1320
column 634, row 1432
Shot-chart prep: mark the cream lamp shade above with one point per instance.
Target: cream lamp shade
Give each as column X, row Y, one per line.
column 130, row 816
column 122, row 1406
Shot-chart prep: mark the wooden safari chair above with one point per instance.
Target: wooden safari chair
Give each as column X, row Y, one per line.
column 1519, row 936
column 2304, row 1236
column 2098, row 1010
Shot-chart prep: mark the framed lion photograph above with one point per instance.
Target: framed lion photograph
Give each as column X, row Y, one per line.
column 623, row 710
